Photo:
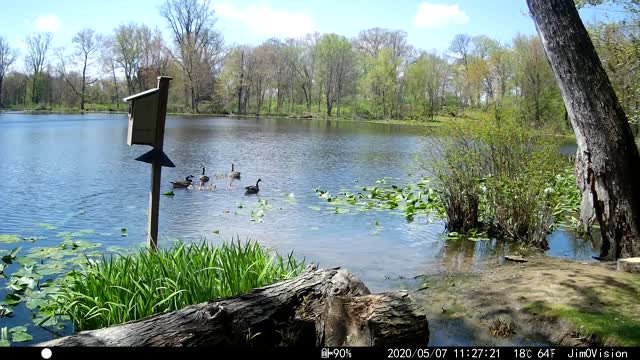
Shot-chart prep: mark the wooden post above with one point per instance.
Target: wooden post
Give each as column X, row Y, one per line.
column 156, row 165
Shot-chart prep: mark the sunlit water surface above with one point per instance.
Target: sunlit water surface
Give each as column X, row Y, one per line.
column 76, row 172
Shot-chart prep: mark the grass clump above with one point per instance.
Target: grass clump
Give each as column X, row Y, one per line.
column 130, row 287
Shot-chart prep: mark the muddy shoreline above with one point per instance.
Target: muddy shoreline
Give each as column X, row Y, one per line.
column 544, row 301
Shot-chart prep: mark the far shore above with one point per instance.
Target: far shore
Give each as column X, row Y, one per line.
column 438, row 120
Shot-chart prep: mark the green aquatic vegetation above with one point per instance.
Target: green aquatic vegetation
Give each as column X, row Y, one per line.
column 5, row 310
column 47, row 226
column 410, row 199
column 65, row 234
column 20, row 334
column 12, row 299
column 169, row 193
column 123, row 288
column 33, row 238
column 10, row 239
column 11, row 256
column 564, row 195
column 4, row 337
column 257, row 214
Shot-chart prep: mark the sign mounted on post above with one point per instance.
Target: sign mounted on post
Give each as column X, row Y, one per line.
column 147, row 113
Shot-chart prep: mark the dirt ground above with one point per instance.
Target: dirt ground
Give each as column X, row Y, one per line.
column 545, row 301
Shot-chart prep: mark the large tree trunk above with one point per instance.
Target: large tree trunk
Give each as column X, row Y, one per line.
column 608, row 157
column 319, row 308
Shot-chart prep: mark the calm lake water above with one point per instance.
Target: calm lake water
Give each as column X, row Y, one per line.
column 76, row 172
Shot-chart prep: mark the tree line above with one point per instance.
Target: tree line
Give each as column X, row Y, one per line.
column 376, row 74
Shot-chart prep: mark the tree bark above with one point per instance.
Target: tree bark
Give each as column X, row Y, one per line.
column 608, row 155
column 319, row 308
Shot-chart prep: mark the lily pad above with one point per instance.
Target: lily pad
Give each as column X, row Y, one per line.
column 65, row 234
column 18, row 329
column 10, row 239
column 8, row 259
column 34, row 303
column 21, row 337
column 12, row 299
column 47, row 226
column 5, row 310
column 25, row 261
column 53, row 267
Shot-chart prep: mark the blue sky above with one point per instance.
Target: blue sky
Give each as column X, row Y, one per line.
column 429, row 24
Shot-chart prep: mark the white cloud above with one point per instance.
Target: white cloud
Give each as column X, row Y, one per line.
column 48, row 22
column 434, row 15
column 264, row 20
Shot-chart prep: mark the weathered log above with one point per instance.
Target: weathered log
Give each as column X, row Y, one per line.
column 319, row 308
column 630, row 265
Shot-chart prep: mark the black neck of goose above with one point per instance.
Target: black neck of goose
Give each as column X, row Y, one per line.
column 203, row 170
column 232, row 169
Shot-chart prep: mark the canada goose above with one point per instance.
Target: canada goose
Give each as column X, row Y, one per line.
column 203, row 178
column 253, row 189
column 184, row 183
column 234, row 174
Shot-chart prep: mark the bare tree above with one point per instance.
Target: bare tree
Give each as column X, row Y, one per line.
column 108, row 54
column 460, row 48
column 191, row 22
column 301, row 58
column 154, row 57
column 608, row 163
column 128, row 50
column 87, row 44
column 37, row 47
column 371, row 41
column 7, row 57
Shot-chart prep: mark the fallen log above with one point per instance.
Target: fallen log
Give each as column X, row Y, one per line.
column 319, row 308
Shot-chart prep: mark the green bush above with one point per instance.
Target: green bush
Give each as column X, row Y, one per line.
column 495, row 175
column 131, row 287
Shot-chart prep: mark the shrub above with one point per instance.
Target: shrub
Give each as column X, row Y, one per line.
column 130, row 287
column 495, row 174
